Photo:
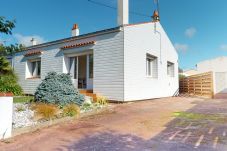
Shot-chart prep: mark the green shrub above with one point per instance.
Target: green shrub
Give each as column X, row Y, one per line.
column 8, row 83
column 58, row 89
column 71, row 110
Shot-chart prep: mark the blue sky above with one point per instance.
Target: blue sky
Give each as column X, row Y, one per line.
column 197, row 28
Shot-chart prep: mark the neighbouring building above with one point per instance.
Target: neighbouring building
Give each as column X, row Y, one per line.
column 219, row 68
column 189, row 72
column 126, row 63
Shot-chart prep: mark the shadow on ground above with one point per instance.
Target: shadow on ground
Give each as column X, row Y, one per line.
column 201, row 128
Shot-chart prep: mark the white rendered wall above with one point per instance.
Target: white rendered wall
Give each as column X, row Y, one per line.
column 214, row 65
column 6, row 113
column 138, row 41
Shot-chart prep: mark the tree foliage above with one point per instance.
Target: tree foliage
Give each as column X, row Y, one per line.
column 6, row 26
column 11, row 49
column 5, row 67
column 58, row 89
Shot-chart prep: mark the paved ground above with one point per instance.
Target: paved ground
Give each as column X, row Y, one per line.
column 141, row 126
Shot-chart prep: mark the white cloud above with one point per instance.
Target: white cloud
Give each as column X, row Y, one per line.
column 190, row 32
column 223, row 47
column 26, row 40
column 181, row 47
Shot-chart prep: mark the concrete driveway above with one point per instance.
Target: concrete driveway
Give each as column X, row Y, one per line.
column 169, row 124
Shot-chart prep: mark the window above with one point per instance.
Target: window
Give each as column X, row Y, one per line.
column 152, row 66
column 34, row 69
column 170, row 69
column 91, row 60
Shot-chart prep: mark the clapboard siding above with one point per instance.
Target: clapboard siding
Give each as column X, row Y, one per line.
column 140, row 40
column 108, row 66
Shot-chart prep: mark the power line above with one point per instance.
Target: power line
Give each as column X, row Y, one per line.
column 112, row 7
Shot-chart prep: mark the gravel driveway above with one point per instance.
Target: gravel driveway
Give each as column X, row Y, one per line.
column 140, row 126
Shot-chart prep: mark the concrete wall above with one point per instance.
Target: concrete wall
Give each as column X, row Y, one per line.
column 6, row 113
column 214, row 65
column 138, row 41
column 220, row 82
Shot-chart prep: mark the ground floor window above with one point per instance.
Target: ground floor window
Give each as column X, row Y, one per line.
column 151, row 66
column 34, row 68
column 170, row 69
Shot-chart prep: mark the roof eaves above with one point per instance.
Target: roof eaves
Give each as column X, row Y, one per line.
column 106, row 31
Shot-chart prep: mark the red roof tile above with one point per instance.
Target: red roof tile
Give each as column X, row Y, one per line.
column 78, row 45
column 34, row 52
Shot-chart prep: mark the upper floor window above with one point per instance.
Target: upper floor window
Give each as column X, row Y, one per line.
column 152, row 66
column 170, row 69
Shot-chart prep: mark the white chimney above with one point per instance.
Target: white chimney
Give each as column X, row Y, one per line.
column 123, row 12
column 33, row 41
column 75, row 30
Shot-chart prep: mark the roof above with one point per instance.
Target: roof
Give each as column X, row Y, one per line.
column 101, row 32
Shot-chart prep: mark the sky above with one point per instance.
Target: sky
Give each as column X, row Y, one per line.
column 197, row 28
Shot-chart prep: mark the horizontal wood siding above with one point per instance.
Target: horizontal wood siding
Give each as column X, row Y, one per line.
column 108, row 66
column 51, row 60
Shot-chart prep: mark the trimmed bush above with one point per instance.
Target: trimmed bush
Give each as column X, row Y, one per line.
column 58, row 89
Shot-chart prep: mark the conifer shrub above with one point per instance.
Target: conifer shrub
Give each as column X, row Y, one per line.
column 58, row 89
column 8, row 79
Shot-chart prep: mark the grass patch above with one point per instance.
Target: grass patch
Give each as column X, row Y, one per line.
column 199, row 116
column 22, row 99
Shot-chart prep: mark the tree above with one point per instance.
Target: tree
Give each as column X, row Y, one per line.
column 11, row 49
column 6, row 26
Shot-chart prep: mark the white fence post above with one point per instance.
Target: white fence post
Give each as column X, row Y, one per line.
column 6, row 117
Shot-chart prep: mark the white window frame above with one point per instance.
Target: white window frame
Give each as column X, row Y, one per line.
column 170, row 69
column 32, row 69
column 151, row 66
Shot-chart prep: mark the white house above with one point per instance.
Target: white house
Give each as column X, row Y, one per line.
column 126, row 63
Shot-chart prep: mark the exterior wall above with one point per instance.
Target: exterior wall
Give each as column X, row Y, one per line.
column 108, row 64
column 138, row 41
column 218, row 67
column 190, row 72
column 214, row 65
column 6, row 112
column 51, row 60
column 220, row 82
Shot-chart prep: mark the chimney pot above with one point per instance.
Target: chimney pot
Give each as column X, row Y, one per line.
column 34, row 42
column 75, row 30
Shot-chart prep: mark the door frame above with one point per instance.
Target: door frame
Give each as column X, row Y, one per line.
column 71, row 68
